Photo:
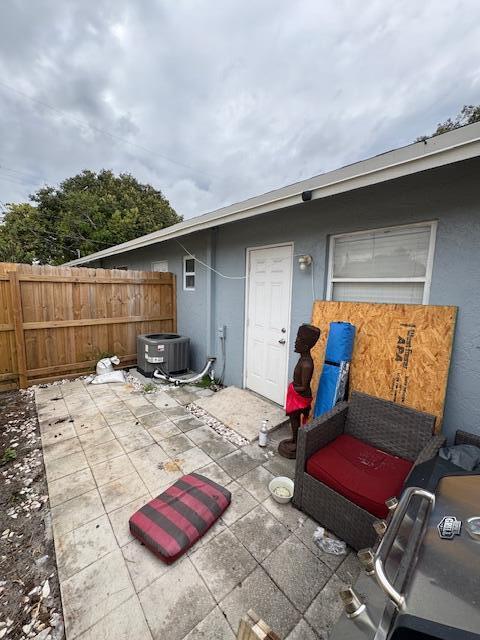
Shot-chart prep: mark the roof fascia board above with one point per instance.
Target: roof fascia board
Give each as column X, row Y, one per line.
column 459, row 151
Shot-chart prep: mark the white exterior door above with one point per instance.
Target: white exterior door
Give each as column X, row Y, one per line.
column 269, row 273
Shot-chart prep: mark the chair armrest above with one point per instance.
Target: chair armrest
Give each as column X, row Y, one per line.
column 313, row 437
column 430, row 450
column 322, row 430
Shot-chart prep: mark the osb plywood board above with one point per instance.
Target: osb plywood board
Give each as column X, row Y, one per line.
column 402, row 352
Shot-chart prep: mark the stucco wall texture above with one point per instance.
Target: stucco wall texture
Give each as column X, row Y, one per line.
column 450, row 195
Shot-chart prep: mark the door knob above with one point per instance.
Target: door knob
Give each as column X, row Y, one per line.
column 282, row 341
column 284, row 330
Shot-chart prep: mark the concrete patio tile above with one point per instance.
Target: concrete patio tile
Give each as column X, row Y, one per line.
column 153, row 419
column 135, row 400
column 285, row 513
column 94, row 592
column 281, row 466
column 143, row 565
column 66, row 465
column 305, row 533
column 202, row 434
column 70, row 486
column 142, row 410
column 176, row 444
column 76, row 512
column 217, row 528
column 165, row 429
column 325, row 610
column 89, row 423
column 61, row 449
column 259, row 593
column 126, row 622
column 135, row 441
column 120, row 517
column 155, row 468
column 163, row 400
column 118, row 416
column 112, row 469
column 223, row 563
column 77, row 549
column 102, row 452
column 303, row 631
column 192, row 459
column 61, row 433
column 215, row 473
column 236, row 464
column 350, row 568
column 242, row 503
column 298, row 573
column 121, row 491
column 176, row 412
column 176, row 602
column 186, row 423
column 159, row 481
column 151, row 455
column 256, row 482
column 213, row 444
column 259, row 532
column 213, row 627
column 96, row 437
column 122, row 429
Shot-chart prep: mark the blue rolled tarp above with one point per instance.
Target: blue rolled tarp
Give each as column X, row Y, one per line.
column 332, row 386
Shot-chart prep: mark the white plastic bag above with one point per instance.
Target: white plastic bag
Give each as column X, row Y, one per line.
column 113, row 376
column 329, row 545
column 105, row 365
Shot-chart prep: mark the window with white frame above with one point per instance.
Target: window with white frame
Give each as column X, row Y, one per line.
column 382, row 265
column 160, row 265
column 188, row 273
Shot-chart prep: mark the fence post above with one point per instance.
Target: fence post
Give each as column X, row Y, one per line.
column 17, row 310
column 174, row 302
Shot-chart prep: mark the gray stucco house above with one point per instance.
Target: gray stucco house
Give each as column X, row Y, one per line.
column 403, row 226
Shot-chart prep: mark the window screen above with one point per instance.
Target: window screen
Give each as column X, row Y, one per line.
column 385, row 265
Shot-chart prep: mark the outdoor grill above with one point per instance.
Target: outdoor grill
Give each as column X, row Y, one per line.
column 424, row 580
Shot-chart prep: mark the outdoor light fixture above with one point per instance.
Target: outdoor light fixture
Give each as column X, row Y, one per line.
column 304, row 262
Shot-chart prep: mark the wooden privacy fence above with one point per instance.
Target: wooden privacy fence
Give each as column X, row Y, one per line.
column 56, row 322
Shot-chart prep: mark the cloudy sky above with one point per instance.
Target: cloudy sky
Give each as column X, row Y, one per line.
column 214, row 101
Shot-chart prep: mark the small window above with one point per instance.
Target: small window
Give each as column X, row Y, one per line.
column 188, row 273
column 160, row 265
column 384, row 265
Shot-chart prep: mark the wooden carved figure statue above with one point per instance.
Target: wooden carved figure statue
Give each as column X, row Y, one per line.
column 299, row 394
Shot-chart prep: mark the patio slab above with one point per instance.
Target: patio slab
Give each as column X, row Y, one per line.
column 242, row 411
column 260, row 554
column 223, row 563
column 176, row 602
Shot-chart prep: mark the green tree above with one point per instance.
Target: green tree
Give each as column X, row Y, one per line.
column 86, row 213
column 468, row 115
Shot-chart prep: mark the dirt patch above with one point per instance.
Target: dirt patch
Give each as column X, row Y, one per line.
column 30, row 605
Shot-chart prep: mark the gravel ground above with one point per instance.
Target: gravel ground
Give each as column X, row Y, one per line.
column 30, row 605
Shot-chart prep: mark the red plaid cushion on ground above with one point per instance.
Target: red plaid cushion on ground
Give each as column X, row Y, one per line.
column 173, row 521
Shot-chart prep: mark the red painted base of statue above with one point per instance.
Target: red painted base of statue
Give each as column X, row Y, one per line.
column 299, row 394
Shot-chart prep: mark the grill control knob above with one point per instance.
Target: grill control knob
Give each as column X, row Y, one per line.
column 380, row 527
column 392, row 504
column 351, row 602
column 367, row 559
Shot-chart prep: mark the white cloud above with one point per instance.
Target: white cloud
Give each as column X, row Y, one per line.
column 221, row 101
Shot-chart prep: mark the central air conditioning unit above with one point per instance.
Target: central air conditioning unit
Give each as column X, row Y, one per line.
column 167, row 351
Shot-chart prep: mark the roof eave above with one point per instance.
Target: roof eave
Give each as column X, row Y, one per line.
column 439, row 155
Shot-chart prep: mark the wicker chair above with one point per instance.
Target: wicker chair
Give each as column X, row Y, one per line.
column 391, row 427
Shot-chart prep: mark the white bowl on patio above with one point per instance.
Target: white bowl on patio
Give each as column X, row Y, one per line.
column 281, row 482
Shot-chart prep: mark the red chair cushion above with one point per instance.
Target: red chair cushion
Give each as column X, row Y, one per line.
column 364, row 475
column 173, row 521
